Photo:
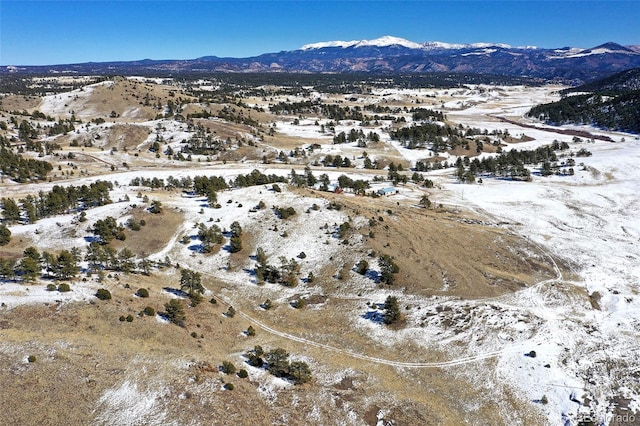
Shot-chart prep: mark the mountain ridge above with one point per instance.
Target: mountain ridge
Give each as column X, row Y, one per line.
column 386, row 55
column 386, row 41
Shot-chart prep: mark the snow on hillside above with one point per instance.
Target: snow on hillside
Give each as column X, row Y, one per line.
column 397, row 41
column 583, row 326
column 64, row 104
column 600, row 51
column 379, row 42
column 590, row 221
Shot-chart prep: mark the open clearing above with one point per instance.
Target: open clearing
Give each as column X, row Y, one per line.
column 512, row 293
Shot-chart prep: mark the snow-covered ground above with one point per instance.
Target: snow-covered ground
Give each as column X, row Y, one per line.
column 589, row 220
column 74, row 102
column 584, row 328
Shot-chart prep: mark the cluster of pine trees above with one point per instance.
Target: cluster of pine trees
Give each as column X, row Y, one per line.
column 276, row 362
column 104, row 257
column 510, row 164
column 418, row 136
column 331, row 111
column 203, row 185
column 33, row 265
column 60, row 200
column 286, row 274
column 19, row 168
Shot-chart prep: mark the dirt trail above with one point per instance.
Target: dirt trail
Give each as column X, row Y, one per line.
column 570, row 132
column 442, row 364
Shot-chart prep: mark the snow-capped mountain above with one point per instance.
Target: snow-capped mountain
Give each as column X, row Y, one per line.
column 385, row 41
column 390, row 54
column 388, row 41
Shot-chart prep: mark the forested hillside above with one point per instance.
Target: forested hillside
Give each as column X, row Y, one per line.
column 613, row 103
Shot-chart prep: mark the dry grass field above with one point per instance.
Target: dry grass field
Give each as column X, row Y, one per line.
column 476, row 293
column 112, row 371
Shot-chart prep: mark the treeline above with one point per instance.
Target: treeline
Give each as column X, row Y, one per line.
column 620, row 111
column 203, row 185
column 61, row 266
column 331, row 111
column 295, row 83
column 417, row 136
column 20, row 169
column 104, row 257
column 65, row 264
column 420, row 114
column 237, row 116
column 257, row 178
column 510, row 164
column 356, row 136
column 37, row 84
column 60, row 200
column 296, row 108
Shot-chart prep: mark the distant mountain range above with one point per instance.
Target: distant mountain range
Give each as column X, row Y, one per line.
column 389, row 55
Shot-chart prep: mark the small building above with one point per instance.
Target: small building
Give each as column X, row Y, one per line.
column 390, row 190
column 331, row 187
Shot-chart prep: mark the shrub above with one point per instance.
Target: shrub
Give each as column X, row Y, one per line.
column 195, row 299
column 31, row 358
column 255, row 360
column 235, row 244
column 228, row 386
column 257, row 349
column 149, row 311
column 51, row 287
column 122, row 318
column 392, row 310
column 243, row 374
column 284, row 212
column 362, row 267
column 64, row 287
column 133, row 225
column 142, row 292
column 251, row 331
column 268, row 304
column 228, row 367
column 194, row 334
column 175, row 312
column 299, row 372
column 103, row 294
column 213, row 301
column 129, row 318
column 156, row 207
column 231, row 312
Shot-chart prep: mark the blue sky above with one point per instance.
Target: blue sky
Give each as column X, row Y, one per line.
column 55, row 32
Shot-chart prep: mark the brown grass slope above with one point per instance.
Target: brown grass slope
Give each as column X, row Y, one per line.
column 445, row 252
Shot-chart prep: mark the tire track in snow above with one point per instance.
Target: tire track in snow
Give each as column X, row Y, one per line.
column 440, row 364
